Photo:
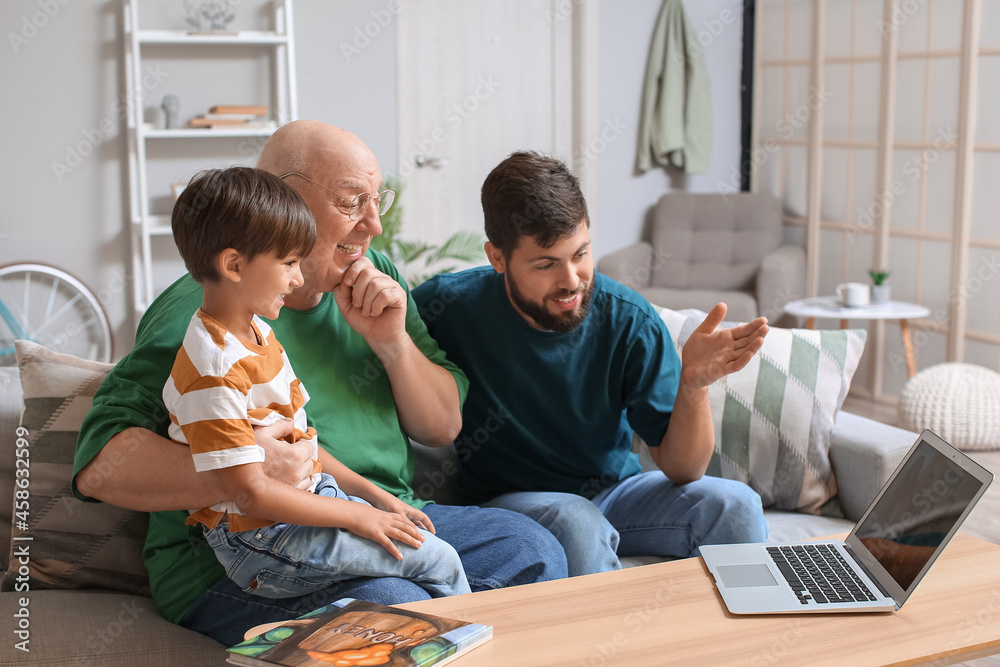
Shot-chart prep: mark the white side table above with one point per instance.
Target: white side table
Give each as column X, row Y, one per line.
column 828, row 307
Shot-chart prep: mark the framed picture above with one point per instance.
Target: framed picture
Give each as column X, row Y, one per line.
column 177, row 189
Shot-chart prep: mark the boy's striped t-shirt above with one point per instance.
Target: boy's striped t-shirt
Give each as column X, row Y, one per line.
column 220, row 387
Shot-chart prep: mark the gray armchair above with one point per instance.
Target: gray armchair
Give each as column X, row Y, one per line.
column 706, row 248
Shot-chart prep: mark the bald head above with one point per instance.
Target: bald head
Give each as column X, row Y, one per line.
column 310, row 147
column 333, row 168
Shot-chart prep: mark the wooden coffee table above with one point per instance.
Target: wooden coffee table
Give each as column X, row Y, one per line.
column 671, row 613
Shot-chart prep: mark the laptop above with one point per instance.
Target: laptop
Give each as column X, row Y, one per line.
column 883, row 559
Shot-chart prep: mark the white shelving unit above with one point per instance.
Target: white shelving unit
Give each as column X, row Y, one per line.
column 143, row 224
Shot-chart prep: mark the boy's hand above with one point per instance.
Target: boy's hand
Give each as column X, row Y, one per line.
column 384, row 527
column 290, row 463
column 394, row 504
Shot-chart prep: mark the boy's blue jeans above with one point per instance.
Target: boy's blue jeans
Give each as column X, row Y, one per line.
column 499, row 548
column 284, row 560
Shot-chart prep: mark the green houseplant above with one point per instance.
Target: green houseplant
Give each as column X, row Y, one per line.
column 417, row 260
column 880, row 291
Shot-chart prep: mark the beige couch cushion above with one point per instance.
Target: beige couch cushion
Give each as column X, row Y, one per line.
column 72, row 544
column 10, row 419
column 103, row 629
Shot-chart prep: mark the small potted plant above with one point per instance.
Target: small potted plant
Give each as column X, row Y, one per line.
column 880, row 291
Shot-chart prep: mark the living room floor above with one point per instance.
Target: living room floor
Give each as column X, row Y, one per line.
column 984, row 521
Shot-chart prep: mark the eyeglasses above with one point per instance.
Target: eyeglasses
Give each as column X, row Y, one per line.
column 356, row 206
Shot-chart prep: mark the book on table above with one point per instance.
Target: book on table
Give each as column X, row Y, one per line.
column 354, row 632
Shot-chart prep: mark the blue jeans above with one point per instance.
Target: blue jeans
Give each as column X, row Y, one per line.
column 498, row 549
column 643, row 515
column 285, row 560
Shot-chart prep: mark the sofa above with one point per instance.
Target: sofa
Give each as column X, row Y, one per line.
column 97, row 613
column 700, row 249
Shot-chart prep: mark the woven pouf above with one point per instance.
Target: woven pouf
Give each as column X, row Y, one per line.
column 959, row 402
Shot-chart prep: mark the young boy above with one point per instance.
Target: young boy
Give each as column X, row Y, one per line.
column 241, row 233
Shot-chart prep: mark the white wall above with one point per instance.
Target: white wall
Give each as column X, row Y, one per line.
column 62, row 68
column 60, row 85
column 624, row 198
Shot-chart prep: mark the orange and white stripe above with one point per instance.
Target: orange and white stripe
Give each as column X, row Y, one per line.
column 220, row 387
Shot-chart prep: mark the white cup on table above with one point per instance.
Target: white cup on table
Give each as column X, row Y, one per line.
column 853, row 295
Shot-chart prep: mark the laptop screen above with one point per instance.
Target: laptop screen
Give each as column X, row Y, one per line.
column 917, row 512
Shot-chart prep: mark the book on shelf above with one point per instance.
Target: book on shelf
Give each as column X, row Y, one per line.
column 205, row 121
column 255, row 109
column 355, row 632
column 232, row 116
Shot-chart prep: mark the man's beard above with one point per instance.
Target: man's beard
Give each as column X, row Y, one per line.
column 561, row 322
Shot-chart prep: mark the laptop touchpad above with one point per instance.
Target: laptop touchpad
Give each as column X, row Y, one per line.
column 742, row 576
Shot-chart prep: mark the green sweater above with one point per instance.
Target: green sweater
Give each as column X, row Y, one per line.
column 351, row 407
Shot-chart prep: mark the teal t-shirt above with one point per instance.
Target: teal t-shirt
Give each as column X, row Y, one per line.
column 551, row 411
column 351, row 407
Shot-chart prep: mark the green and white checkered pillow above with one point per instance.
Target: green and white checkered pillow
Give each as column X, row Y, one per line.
column 773, row 418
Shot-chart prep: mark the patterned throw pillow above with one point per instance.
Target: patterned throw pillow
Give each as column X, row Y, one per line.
column 773, row 418
column 70, row 544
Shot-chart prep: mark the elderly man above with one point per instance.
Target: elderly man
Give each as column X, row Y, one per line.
column 352, row 313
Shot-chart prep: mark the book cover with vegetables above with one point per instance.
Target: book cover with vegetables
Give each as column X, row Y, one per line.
column 351, row 632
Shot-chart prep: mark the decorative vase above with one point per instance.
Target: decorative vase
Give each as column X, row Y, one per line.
column 880, row 294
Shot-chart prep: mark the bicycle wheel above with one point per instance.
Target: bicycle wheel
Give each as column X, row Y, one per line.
column 46, row 305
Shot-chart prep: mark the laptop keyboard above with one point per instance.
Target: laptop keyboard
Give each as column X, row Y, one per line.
column 820, row 574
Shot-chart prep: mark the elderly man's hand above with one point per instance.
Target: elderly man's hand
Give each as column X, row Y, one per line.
column 709, row 355
column 286, row 462
column 373, row 303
